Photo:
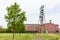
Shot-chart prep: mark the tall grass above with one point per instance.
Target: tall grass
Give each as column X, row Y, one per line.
column 26, row 36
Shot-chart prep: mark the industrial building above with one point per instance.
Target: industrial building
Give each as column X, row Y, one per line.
column 42, row 27
column 46, row 28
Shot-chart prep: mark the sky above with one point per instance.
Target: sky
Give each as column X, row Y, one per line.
column 31, row 7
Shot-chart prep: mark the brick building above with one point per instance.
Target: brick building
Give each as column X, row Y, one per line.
column 47, row 27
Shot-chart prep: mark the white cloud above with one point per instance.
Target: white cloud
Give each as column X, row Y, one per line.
column 32, row 9
column 50, row 4
column 54, row 17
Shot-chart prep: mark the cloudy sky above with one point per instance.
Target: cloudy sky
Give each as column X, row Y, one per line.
column 51, row 10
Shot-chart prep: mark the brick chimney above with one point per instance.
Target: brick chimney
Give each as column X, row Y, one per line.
column 50, row 21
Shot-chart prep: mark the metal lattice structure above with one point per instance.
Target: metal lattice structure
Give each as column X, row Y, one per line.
column 42, row 16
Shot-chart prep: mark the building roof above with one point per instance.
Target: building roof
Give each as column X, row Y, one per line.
column 48, row 26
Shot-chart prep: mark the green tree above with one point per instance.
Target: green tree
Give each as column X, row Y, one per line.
column 1, row 30
column 15, row 18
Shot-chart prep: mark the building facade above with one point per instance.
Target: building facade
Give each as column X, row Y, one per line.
column 47, row 28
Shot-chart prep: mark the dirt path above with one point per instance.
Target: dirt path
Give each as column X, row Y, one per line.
column 37, row 37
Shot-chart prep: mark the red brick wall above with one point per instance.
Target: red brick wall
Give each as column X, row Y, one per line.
column 52, row 28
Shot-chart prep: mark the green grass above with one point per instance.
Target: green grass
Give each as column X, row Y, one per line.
column 26, row 36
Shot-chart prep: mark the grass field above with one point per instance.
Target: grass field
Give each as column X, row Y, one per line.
column 26, row 36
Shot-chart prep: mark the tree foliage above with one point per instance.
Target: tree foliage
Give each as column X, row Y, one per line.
column 15, row 18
